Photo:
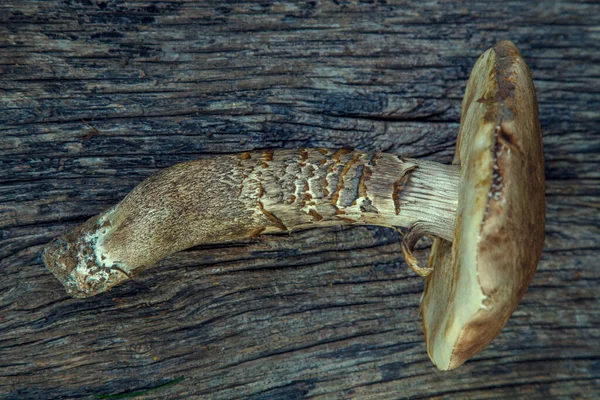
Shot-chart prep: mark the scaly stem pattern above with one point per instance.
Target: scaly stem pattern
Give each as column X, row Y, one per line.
column 231, row 197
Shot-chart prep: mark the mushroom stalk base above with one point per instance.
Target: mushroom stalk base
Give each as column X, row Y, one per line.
column 231, row 197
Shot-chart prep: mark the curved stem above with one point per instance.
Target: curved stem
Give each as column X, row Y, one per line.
column 231, row 197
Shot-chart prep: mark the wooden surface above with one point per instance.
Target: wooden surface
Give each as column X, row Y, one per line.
column 97, row 95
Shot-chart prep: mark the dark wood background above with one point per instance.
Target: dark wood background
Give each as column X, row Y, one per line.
column 97, row 95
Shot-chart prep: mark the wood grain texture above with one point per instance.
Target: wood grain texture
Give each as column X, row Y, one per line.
column 97, row 95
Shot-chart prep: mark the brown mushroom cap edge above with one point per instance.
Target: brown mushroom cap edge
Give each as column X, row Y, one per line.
column 479, row 278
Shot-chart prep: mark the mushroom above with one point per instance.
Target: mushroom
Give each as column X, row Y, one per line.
column 485, row 212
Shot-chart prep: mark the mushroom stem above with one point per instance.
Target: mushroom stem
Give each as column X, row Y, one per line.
column 231, row 197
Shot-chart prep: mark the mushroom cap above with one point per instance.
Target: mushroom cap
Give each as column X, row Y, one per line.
column 479, row 278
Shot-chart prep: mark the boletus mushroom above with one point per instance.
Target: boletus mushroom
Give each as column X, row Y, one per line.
column 485, row 212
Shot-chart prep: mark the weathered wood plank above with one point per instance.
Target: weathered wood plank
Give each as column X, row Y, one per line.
column 97, row 95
